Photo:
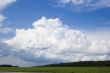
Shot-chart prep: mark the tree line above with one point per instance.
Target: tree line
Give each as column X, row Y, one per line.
column 6, row 65
column 82, row 64
column 74, row 64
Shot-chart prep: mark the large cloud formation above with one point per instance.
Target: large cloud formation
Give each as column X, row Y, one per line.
column 85, row 5
column 50, row 41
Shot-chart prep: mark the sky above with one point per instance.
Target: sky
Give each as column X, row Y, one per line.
column 39, row 32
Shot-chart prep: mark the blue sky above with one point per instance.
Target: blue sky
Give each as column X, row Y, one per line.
column 25, row 21
column 22, row 13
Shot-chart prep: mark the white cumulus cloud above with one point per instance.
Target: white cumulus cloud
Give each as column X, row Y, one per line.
column 50, row 41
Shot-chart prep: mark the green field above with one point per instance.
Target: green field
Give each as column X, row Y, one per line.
column 58, row 69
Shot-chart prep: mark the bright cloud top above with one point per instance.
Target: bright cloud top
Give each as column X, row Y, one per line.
column 5, row 3
column 85, row 4
column 50, row 41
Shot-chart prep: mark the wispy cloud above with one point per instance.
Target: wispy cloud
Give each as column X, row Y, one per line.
column 2, row 18
column 84, row 5
column 3, row 5
column 5, row 30
column 2, row 28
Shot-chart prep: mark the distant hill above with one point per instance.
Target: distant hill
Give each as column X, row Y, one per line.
column 82, row 64
column 5, row 65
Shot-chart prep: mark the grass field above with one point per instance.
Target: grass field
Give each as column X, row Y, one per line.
column 58, row 69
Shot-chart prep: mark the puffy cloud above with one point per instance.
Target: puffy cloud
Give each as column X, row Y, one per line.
column 50, row 41
column 103, row 45
column 5, row 3
column 85, row 5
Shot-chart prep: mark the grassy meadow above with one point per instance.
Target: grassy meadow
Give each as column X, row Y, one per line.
column 57, row 69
